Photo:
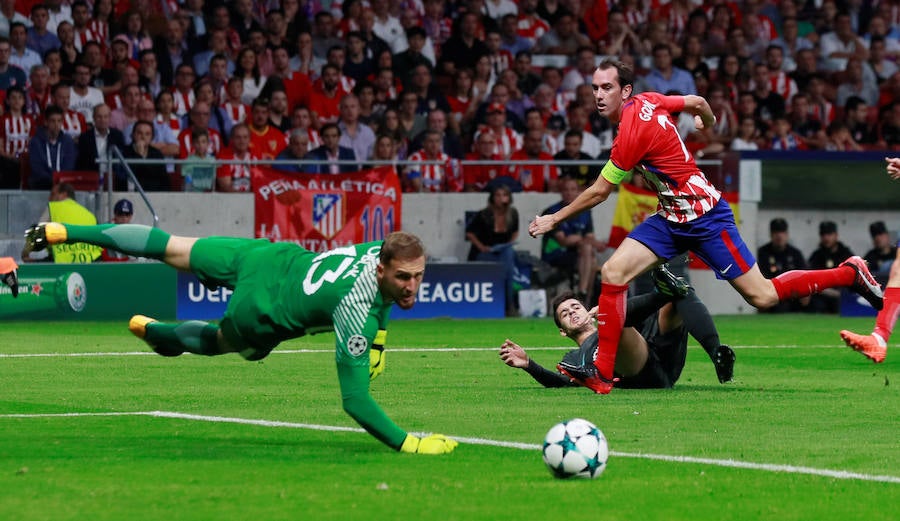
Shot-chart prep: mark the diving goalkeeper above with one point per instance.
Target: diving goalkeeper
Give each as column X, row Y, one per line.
column 281, row 291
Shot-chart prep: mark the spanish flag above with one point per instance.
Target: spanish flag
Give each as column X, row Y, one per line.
column 635, row 204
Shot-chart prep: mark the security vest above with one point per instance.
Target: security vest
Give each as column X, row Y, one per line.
column 70, row 212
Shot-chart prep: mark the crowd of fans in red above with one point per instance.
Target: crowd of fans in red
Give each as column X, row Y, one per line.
column 437, row 82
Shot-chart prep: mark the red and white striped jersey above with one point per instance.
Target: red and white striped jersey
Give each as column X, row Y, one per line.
column 531, row 27
column 16, row 131
column 822, row 111
column 186, row 148
column 507, row 141
column 35, row 104
column 549, row 144
column 501, row 61
column 82, row 36
column 315, row 140
column 237, row 112
column 100, row 29
column 184, row 101
column 345, row 85
column 174, row 122
column 441, row 177
column 241, row 174
column 783, row 85
column 73, row 123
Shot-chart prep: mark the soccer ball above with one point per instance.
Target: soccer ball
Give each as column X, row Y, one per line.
column 575, row 448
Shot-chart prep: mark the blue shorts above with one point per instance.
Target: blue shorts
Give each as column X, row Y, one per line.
column 713, row 237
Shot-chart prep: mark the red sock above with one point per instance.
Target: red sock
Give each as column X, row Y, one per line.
column 884, row 322
column 803, row 283
column 610, row 321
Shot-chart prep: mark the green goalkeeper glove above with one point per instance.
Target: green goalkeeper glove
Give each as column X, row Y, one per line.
column 376, row 355
column 434, row 444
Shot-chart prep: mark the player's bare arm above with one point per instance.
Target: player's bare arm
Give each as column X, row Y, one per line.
column 699, row 107
column 589, row 198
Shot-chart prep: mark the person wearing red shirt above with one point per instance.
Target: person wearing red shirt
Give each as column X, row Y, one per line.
column 432, row 177
column 236, row 177
column 691, row 216
column 324, row 102
column 199, row 117
column 534, row 177
column 477, row 177
column 266, row 141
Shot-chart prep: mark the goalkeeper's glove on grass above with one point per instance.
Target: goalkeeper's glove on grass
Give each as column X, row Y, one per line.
column 434, row 444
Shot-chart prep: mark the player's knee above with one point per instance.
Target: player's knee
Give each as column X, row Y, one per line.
column 612, row 273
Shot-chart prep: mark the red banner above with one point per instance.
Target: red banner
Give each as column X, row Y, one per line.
column 325, row 211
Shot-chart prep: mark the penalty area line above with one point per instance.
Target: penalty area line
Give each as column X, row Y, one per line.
column 729, row 463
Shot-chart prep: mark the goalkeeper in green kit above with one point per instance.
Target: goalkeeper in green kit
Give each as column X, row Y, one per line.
column 281, row 291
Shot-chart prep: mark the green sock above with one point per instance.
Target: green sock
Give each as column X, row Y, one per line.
column 132, row 239
column 193, row 336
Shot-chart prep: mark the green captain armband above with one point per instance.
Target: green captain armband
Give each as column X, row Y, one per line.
column 614, row 174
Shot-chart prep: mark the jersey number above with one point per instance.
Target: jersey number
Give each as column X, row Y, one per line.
column 310, row 286
column 663, row 122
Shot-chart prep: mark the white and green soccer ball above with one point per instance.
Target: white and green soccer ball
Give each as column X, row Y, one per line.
column 575, row 449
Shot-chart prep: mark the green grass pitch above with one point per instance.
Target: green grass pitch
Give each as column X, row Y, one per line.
column 808, row 430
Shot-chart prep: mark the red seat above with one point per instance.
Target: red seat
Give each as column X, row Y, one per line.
column 82, row 181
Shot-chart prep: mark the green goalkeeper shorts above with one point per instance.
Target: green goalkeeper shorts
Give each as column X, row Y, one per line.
column 254, row 269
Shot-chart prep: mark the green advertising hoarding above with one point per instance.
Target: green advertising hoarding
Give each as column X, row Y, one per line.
column 100, row 291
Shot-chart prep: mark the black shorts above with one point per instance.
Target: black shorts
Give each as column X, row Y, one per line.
column 666, row 355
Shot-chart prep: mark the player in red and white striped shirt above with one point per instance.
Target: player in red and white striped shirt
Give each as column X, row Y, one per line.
column 507, row 140
column 16, row 127
column 441, row 177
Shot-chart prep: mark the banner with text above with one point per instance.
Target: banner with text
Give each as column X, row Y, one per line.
column 325, row 211
column 636, row 204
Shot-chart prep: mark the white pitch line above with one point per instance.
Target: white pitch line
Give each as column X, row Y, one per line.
column 393, row 350
column 730, row 463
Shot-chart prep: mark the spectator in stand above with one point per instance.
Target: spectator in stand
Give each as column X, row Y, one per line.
column 590, row 144
column 539, row 176
column 301, row 119
column 218, row 119
column 152, row 177
column 506, row 139
column 256, row 41
column 779, row 80
column 50, row 150
column 620, row 37
column 830, row 254
column 430, row 97
column 510, row 39
column 463, row 49
column 243, row 20
column 791, row 43
column 771, row 104
column 583, row 70
column 572, row 245
column 664, row 77
column 778, row 256
column 324, row 101
column 810, row 130
column 217, row 45
column 97, row 143
column 564, row 38
column 165, row 138
column 276, row 29
column 390, row 124
column 149, row 78
column 883, row 253
column 305, row 61
column 235, row 109
column 298, row 146
column 135, row 34
column 324, row 34
column 237, row 177
column 82, row 97
column 278, row 111
column 199, row 118
column 385, row 150
column 247, row 69
column 856, row 117
column 199, row 170
column 183, row 93
column 37, row 96
column 410, row 120
column 424, row 176
column 528, row 80
column 515, row 109
column 67, row 50
column 583, row 173
column 327, row 155
column 725, row 129
column 358, row 64
column 123, row 213
column 266, row 141
column 16, row 130
column 477, row 177
column 123, row 117
column 856, row 83
column 81, row 18
column 165, row 114
column 73, row 122
column 10, row 15
column 462, row 103
column 748, row 135
column 40, row 39
column 406, row 63
column 822, row 109
column 889, row 128
column 784, row 138
column 531, row 24
column 354, row 135
column 692, row 59
column 436, row 121
column 879, row 64
column 839, row 138
column 492, row 233
column 20, row 55
column 841, row 44
column 105, row 79
column 10, row 76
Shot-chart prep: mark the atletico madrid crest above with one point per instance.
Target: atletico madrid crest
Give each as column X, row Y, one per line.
column 328, row 213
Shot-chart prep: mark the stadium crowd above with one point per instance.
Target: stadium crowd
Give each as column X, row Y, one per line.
column 435, row 82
